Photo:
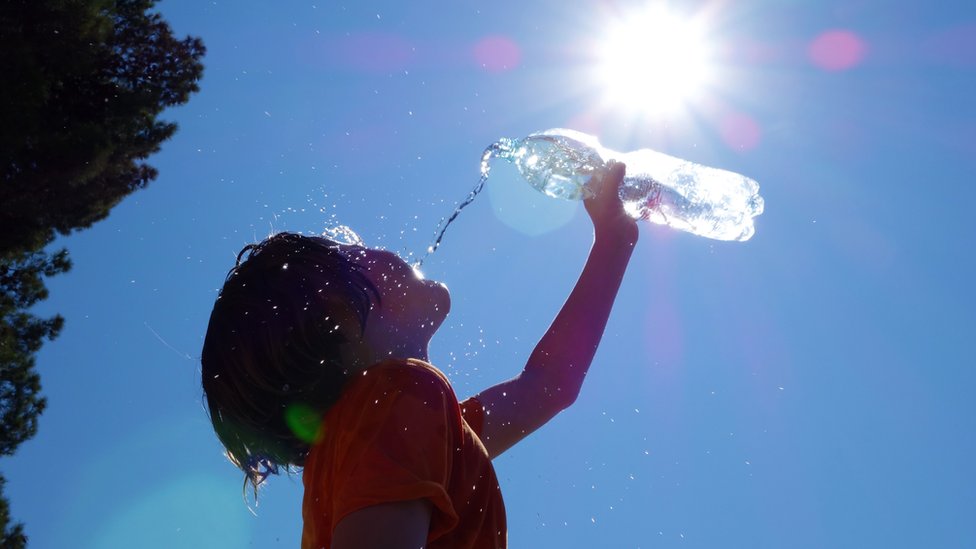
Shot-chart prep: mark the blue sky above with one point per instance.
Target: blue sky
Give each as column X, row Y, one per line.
column 808, row 388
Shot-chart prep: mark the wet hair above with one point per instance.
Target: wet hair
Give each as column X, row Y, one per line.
column 271, row 363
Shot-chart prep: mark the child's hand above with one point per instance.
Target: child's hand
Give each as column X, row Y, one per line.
column 606, row 210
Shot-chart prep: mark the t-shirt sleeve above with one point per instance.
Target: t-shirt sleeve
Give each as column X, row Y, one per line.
column 402, row 446
column 473, row 412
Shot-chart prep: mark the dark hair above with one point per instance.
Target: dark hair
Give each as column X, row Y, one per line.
column 271, row 362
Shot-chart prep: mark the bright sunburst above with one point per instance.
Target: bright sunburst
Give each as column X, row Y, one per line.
column 653, row 61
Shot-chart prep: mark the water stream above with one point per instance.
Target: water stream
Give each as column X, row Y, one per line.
column 486, row 157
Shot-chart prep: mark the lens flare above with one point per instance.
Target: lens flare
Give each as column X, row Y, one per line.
column 837, row 50
column 497, row 53
column 303, row 421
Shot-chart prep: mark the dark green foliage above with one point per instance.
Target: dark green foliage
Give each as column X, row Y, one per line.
column 21, row 335
column 11, row 537
column 83, row 84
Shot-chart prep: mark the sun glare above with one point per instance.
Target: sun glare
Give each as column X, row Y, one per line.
column 653, row 61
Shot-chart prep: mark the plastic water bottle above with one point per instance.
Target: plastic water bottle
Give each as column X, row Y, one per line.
column 663, row 189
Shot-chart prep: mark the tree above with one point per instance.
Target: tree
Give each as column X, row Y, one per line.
column 11, row 537
column 21, row 335
column 84, row 82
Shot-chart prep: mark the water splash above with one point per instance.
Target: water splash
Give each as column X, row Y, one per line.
column 342, row 234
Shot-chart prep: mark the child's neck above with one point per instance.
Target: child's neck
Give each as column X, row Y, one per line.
column 365, row 354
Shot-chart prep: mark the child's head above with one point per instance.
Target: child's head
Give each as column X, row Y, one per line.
column 275, row 355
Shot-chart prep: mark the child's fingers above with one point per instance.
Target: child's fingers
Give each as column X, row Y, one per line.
column 616, row 172
column 607, row 181
column 606, row 210
column 612, row 177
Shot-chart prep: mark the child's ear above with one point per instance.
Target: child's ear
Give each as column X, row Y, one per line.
column 354, row 352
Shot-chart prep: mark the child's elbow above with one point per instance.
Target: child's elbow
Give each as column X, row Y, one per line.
column 563, row 398
column 552, row 394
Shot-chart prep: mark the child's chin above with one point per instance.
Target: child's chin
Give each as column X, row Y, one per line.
column 440, row 297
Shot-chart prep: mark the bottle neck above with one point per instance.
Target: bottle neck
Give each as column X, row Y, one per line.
column 503, row 148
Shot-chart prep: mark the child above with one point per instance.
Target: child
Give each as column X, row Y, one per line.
column 316, row 357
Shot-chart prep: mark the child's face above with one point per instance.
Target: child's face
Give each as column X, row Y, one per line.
column 411, row 307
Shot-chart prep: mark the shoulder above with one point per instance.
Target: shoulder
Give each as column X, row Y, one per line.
column 397, row 405
column 399, row 382
column 403, row 376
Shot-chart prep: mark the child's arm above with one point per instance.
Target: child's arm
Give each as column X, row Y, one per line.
column 554, row 373
column 399, row 524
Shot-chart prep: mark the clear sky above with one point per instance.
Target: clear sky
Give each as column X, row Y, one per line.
column 812, row 387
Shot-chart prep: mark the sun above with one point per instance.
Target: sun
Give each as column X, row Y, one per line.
column 652, row 61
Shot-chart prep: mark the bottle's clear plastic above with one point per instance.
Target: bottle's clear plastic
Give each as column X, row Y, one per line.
column 705, row 201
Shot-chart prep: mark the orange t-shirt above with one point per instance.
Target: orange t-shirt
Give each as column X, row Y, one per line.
column 398, row 433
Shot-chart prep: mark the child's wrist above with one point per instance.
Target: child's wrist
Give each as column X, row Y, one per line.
column 621, row 236
column 624, row 231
